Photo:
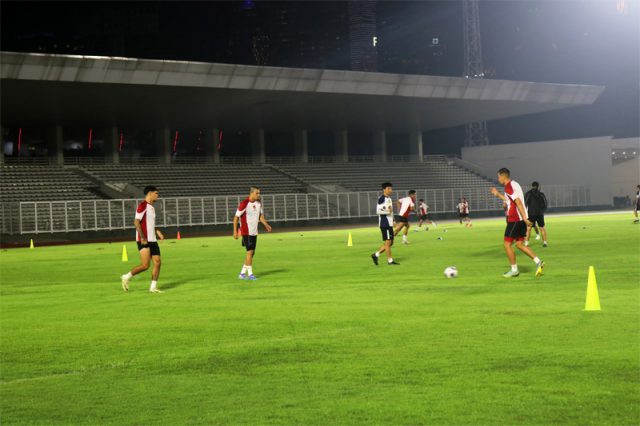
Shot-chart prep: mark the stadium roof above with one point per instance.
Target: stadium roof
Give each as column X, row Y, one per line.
column 44, row 89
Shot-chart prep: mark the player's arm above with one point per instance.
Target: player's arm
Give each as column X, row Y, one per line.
column 522, row 211
column 264, row 222
column 235, row 227
column 497, row 193
column 138, row 226
column 160, row 234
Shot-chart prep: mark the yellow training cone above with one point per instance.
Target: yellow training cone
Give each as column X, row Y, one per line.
column 350, row 241
column 125, row 258
column 593, row 300
column 31, row 244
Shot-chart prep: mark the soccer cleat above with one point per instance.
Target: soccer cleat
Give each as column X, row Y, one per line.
column 125, row 282
column 252, row 277
column 545, row 244
column 375, row 259
column 405, row 242
column 539, row 267
column 393, row 263
column 242, row 276
column 537, row 236
column 511, row 274
column 155, row 290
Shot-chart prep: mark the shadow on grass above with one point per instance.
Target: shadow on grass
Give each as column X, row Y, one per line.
column 271, row 272
column 173, row 284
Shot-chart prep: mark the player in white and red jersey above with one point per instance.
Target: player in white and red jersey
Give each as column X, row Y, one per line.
column 249, row 213
column 405, row 206
column 145, row 223
column 517, row 222
column 423, row 209
column 463, row 212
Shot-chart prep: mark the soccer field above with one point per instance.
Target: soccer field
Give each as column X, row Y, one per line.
column 324, row 336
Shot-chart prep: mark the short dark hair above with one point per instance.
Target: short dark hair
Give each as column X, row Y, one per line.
column 386, row 185
column 535, row 184
column 412, row 192
column 149, row 188
column 504, row 171
column 421, row 199
column 253, row 189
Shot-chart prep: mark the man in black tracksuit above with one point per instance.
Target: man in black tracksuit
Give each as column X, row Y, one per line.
column 536, row 203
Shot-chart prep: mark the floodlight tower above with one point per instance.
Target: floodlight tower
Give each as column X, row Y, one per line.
column 476, row 132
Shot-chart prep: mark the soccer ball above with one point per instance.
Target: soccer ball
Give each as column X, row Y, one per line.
column 451, row 272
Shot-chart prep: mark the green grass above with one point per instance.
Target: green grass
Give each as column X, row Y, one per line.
column 325, row 337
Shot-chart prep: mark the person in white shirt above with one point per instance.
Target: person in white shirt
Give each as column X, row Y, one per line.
column 463, row 212
column 517, row 222
column 405, row 206
column 423, row 210
column 249, row 213
column 146, row 232
column 384, row 210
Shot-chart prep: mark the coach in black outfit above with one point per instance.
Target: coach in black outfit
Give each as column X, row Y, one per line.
column 536, row 203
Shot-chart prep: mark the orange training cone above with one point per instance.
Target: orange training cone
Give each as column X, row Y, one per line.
column 178, row 234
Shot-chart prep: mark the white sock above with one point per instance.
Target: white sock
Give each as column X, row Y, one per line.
column 154, row 285
column 250, row 270
column 244, row 269
column 128, row 275
column 390, row 260
column 514, row 268
column 536, row 259
column 404, row 238
column 377, row 254
column 545, row 241
column 526, row 243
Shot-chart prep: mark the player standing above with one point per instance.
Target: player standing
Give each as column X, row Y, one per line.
column 517, row 223
column 423, row 208
column 145, row 223
column 637, row 208
column 405, row 206
column 536, row 203
column 384, row 210
column 463, row 212
column 249, row 213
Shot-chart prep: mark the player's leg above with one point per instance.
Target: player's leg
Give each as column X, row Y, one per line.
column 526, row 250
column 405, row 233
column 511, row 256
column 155, row 273
column 145, row 257
column 528, row 236
column 390, row 261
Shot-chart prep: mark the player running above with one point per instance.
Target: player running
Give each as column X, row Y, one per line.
column 463, row 212
column 536, row 203
column 517, row 222
column 405, row 206
column 249, row 213
column 423, row 208
column 145, row 223
column 384, row 210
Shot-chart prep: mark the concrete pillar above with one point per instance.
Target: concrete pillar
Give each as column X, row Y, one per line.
column 341, row 138
column 301, row 146
column 163, row 144
column 415, row 145
column 55, row 143
column 258, row 146
column 380, row 145
column 112, row 144
column 211, row 146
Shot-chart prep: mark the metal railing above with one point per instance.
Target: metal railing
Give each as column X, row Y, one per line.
column 104, row 215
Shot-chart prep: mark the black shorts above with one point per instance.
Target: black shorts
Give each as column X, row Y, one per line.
column 463, row 215
column 515, row 231
column 402, row 219
column 151, row 245
column 537, row 219
column 423, row 217
column 387, row 233
column 249, row 242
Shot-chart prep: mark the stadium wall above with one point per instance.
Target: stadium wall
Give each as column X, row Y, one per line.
column 570, row 161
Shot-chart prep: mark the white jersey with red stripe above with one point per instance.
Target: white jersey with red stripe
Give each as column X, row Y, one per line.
column 513, row 191
column 463, row 207
column 406, row 205
column 249, row 213
column 146, row 214
column 423, row 209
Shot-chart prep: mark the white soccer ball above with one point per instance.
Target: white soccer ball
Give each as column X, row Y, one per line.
column 451, row 272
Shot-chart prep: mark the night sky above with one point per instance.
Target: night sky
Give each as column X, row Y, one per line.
column 581, row 42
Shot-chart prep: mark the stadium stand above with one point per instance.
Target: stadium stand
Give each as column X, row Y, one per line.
column 39, row 183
